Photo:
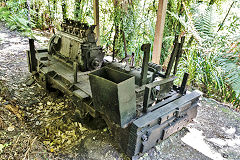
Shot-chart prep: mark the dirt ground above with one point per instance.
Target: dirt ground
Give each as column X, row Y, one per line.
column 35, row 124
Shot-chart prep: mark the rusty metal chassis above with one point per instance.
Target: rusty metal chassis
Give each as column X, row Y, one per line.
column 153, row 125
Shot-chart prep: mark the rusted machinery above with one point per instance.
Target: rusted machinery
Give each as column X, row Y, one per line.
column 140, row 105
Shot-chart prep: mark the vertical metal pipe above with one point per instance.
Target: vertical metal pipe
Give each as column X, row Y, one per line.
column 184, row 83
column 146, row 98
column 32, row 61
column 179, row 54
column 173, row 57
column 75, row 68
column 146, row 49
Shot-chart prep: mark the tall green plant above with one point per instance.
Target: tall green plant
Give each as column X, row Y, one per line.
column 212, row 67
column 15, row 15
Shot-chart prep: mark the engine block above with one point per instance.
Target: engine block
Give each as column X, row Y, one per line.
column 76, row 43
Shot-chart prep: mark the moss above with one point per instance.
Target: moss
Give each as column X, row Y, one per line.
column 229, row 112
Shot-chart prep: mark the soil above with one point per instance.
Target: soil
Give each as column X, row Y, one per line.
column 36, row 124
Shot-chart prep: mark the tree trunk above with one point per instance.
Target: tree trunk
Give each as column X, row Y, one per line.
column 125, row 43
column 37, row 8
column 54, row 9
column 157, row 46
column 96, row 20
column 64, row 10
column 115, row 52
column 50, row 16
column 29, row 13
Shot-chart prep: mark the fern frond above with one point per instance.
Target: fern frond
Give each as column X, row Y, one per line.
column 231, row 73
column 203, row 23
column 188, row 25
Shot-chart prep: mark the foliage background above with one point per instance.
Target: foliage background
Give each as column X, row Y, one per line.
column 211, row 50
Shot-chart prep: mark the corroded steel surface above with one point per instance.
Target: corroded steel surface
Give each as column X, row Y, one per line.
column 141, row 106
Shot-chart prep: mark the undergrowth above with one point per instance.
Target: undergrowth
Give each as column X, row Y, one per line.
column 16, row 19
column 213, row 59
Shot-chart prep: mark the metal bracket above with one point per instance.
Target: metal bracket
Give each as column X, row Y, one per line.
column 146, row 49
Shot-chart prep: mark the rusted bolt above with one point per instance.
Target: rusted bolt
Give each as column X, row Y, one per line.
column 144, row 137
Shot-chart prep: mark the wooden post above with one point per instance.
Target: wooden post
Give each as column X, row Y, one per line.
column 157, row 45
column 96, row 19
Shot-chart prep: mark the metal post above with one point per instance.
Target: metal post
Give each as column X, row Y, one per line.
column 146, row 98
column 32, row 61
column 146, row 49
column 184, row 83
column 75, row 68
column 173, row 57
column 179, row 54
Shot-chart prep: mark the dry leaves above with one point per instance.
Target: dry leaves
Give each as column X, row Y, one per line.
column 14, row 110
column 56, row 125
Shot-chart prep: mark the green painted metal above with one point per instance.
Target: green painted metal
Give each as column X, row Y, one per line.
column 140, row 105
column 113, row 94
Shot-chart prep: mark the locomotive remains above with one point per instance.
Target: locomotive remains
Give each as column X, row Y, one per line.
column 140, row 105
